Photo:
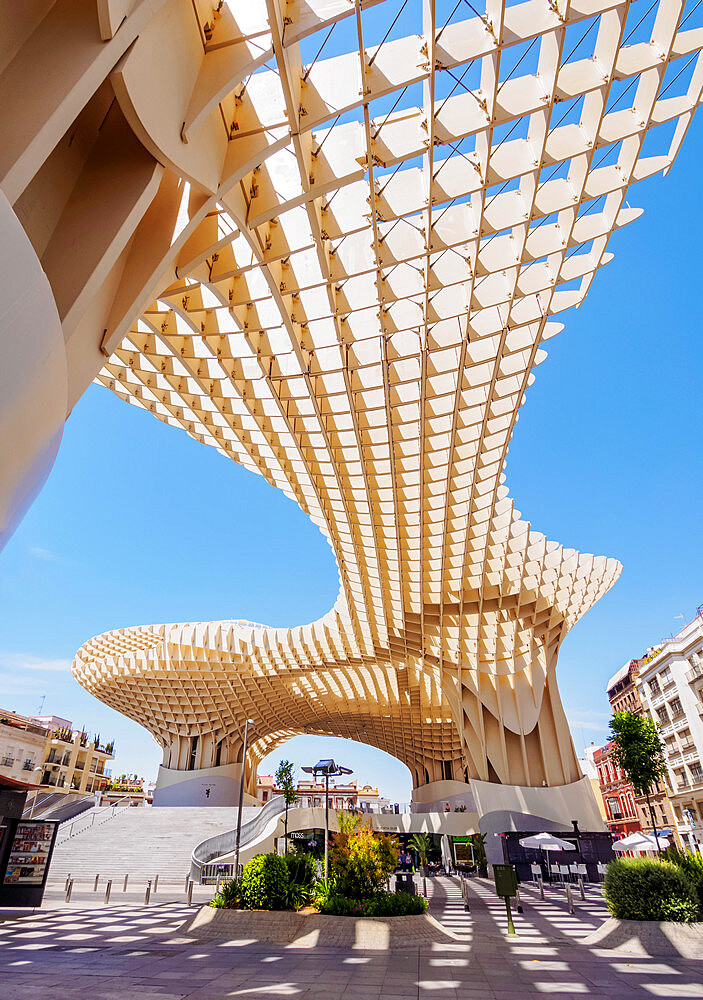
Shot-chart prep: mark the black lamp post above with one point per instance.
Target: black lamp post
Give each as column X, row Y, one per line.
column 329, row 769
column 249, row 722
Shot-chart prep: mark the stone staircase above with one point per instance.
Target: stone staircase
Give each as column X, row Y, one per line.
column 142, row 842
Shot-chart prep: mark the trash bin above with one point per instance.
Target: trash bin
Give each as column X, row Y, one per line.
column 404, row 882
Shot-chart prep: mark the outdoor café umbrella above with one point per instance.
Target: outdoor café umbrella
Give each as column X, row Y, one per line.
column 546, row 842
column 640, row 842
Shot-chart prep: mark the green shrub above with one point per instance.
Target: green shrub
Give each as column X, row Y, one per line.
column 324, row 890
column 382, row 904
column 227, row 897
column 302, row 874
column 264, row 883
column 301, row 869
column 648, row 889
column 692, row 867
column 361, row 859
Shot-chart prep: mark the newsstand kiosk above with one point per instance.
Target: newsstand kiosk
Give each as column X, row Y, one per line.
column 26, row 846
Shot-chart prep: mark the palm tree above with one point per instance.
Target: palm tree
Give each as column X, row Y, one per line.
column 421, row 843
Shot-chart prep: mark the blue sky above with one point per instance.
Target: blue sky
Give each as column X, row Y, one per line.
column 140, row 524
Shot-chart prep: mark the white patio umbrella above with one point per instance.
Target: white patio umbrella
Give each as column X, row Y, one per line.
column 640, row 842
column 546, row 842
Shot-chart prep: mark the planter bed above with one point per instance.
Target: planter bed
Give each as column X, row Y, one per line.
column 308, row 930
column 649, row 937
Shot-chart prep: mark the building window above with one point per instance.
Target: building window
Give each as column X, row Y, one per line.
column 614, row 808
column 663, row 715
column 676, row 707
column 697, row 771
column 654, row 686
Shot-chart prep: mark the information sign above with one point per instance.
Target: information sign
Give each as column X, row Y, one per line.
column 463, row 853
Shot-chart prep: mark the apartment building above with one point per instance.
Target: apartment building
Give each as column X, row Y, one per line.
column 670, row 685
column 48, row 752
column 624, row 696
column 621, row 812
column 342, row 796
column 22, row 745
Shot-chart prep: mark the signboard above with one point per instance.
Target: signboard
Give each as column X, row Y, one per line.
column 505, row 879
column 30, row 852
column 25, row 864
column 463, row 853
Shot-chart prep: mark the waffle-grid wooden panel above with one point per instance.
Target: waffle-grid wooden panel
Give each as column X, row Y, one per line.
column 379, row 216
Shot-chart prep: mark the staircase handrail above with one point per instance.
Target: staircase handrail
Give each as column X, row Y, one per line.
column 226, row 843
column 113, row 811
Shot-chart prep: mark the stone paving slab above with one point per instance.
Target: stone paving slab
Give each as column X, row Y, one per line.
column 133, row 952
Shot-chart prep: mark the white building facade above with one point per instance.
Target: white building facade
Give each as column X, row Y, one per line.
column 671, row 689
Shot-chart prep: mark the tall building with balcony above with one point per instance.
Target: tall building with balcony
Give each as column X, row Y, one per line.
column 48, row 752
column 22, row 743
column 624, row 696
column 670, row 685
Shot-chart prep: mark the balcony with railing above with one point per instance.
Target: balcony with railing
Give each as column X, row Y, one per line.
column 695, row 674
column 7, row 761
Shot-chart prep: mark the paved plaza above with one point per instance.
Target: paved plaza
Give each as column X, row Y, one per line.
column 127, row 951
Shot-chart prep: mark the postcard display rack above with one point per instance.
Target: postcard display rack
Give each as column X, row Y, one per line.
column 25, row 859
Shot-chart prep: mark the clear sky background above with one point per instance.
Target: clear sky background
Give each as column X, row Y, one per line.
column 139, row 524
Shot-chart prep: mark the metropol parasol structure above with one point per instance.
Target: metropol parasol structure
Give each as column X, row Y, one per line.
column 329, row 238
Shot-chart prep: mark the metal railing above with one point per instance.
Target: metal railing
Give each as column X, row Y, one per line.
column 90, row 818
column 225, row 843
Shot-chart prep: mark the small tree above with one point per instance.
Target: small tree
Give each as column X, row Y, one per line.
column 640, row 753
column 284, row 781
column 361, row 859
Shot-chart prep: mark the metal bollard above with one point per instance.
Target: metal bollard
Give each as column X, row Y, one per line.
column 583, row 891
column 68, row 879
column 190, row 892
column 540, row 880
column 156, row 883
column 95, row 887
column 69, row 890
column 569, row 899
column 147, row 893
column 517, row 899
column 108, row 888
column 124, row 887
column 217, row 885
column 185, row 887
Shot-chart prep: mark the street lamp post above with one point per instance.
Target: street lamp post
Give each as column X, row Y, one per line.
column 36, row 793
column 249, row 722
column 330, row 769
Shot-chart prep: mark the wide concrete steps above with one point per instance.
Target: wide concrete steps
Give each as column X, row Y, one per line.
column 142, row 842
